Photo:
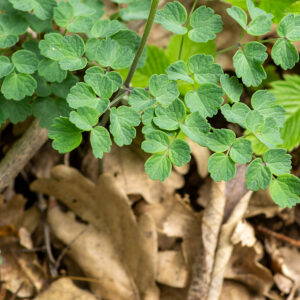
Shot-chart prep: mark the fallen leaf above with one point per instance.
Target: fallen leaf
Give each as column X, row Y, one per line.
column 126, row 164
column 114, row 242
column 244, row 233
column 64, row 289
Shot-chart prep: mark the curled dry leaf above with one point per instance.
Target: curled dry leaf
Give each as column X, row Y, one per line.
column 126, row 164
column 244, row 233
column 171, row 269
column 118, row 244
column 249, row 271
column 64, row 289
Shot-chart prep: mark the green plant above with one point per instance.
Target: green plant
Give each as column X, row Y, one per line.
column 62, row 61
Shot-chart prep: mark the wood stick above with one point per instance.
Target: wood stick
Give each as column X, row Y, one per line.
column 21, row 152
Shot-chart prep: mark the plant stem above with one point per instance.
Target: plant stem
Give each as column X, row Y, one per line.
column 143, row 42
column 187, row 22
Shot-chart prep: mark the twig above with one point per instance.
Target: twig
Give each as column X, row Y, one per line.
column 21, row 152
column 278, row 236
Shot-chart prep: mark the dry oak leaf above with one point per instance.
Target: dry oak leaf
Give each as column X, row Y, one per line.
column 126, row 164
column 65, row 289
column 121, row 246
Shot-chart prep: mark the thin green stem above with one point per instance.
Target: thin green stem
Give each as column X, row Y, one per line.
column 143, row 42
column 187, row 22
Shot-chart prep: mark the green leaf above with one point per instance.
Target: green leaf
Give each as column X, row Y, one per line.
column 179, row 71
column 11, row 26
column 6, row 66
column 137, row 10
column 238, row 15
column 158, row 167
column 254, row 121
column 63, row 13
column 43, row 89
column 179, row 152
column 285, row 54
column 18, row 86
column 122, row 123
column 116, row 79
column 106, row 28
column 207, row 100
column 205, row 24
column 254, row 11
column 248, row 63
column 15, row 111
column 289, row 27
column 204, row 68
column 111, row 54
column 100, row 141
column 156, row 141
column 265, row 103
column 169, row 118
column 101, row 84
column 66, row 136
column 270, row 134
column 62, row 89
column 173, row 16
column 148, row 115
column 85, row 118
column 231, row 87
column 278, row 161
column 25, row 61
column 220, row 140
column 91, row 48
column 221, row 167
column 287, row 94
column 47, row 109
column 43, row 9
column 241, row 151
column 140, row 99
column 285, row 190
column 51, row 71
column 162, row 89
column 82, row 95
column 67, row 50
column 258, row 176
column 38, row 25
column 236, row 113
column 196, row 128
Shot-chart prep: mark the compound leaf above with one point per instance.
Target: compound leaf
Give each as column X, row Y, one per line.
column 156, row 141
column 289, row 27
column 220, row 140
column 66, row 136
column 278, row 161
column 50, row 70
column 100, row 141
column 258, row 176
column 122, row 123
column 111, row 54
column 232, row 87
column 179, row 71
column 162, row 89
column 248, row 63
column 18, row 86
column 207, row 100
column 241, row 151
column 221, row 167
column 172, row 17
column 204, row 68
column 179, row 152
column 285, row 54
column 140, row 99
column 236, row 113
column 158, row 167
column 47, row 109
column 106, row 28
column 205, row 25
column 6, row 66
column 169, row 118
column 238, row 15
column 285, row 190
column 196, row 128
column 254, row 121
column 63, row 13
column 85, row 117
column 25, row 61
